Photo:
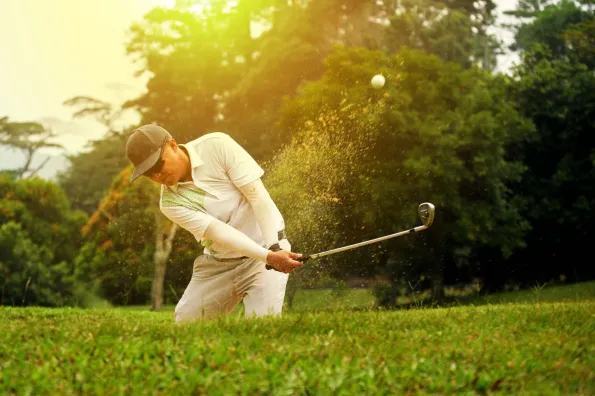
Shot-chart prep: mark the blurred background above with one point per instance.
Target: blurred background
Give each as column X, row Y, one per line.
column 486, row 112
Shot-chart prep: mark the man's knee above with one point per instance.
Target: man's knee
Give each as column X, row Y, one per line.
column 190, row 311
column 185, row 312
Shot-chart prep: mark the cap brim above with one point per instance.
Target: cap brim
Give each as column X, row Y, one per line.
column 145, row 165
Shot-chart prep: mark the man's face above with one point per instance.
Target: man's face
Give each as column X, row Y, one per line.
column 170, row 168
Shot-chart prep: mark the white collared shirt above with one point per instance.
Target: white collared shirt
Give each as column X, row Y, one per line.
column 220, row 166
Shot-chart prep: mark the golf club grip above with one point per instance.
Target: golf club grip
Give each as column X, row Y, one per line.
column 304, row 258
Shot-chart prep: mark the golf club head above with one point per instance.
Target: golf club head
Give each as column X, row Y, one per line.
column 426, row 213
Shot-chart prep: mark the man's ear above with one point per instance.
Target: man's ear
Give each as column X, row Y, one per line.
column 172, row 143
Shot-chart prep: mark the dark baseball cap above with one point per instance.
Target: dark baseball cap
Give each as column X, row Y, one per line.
column 145, row 146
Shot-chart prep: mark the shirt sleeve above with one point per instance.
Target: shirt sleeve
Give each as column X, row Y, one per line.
column 236, row 240
column 202, row 225
column 239, row 165
column 194, row 221
column 267, row 214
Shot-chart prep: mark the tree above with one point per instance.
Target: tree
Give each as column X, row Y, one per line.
column 211, row 70
column 559, row 96
column 443, row 135
column 187, row 55
column 580, row 38
column 39, row 238
column 548, row 24
column 451, row 31
column 529, row 8
column 434, row 29
column 29, row 137
column 92, row 171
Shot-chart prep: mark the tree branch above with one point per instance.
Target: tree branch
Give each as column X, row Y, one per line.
column 39, row 167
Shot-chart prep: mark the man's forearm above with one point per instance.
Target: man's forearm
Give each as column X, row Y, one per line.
column 265, row 210
column 235, row 240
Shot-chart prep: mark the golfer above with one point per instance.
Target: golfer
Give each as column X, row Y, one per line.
column 211, row 187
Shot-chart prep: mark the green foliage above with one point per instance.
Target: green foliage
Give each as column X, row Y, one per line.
column 119, row 241
column 120, row 244
column 39, row 238
column 291, row 53
column 211, row 71
column 507, row 349
column 549, row 26
column 91, row 172
column 190, row 67
column 559, row 96
column 434, row 133
column 352, row 162
column 581, row 38
column 436, row 30
column 529, row 8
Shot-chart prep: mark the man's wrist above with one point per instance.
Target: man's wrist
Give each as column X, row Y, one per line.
column 272, row 249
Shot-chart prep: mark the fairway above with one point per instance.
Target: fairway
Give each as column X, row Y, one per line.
column 540, row 348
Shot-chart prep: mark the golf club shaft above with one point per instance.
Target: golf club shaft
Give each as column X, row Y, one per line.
column 344, row 248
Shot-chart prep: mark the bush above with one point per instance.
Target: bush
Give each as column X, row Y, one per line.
column 39, row 238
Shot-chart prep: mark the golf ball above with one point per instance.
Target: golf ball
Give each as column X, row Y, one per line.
column 378, row 81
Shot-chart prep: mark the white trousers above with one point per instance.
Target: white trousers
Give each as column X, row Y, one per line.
column 217, row 287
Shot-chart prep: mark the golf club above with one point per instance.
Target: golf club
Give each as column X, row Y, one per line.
column 426, row 213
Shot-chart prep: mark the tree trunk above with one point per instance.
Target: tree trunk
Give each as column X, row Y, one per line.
column 294, row 284
column 164, row 236
column 29, row 157
column 290, row 297
column 437, row 276
column 437, row 288
column 157, row 287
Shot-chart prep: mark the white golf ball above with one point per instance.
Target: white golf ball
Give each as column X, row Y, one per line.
column 378, row 81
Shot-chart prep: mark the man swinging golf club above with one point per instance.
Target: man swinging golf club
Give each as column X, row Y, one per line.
column 211, row 187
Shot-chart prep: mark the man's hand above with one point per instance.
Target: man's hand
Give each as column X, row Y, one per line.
column 284, row 261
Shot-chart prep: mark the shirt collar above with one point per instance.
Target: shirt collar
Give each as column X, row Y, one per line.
column 195, row 161
column 194, row 157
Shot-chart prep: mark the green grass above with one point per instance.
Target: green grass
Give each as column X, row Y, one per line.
column 542, row 293
column 328, row 300
column 309, row 300
column 538, row 341
column 539, row 348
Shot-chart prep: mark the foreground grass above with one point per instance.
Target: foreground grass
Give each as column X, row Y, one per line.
column 540, row 348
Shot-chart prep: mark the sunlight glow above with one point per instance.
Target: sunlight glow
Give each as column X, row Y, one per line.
column 168, row 3
column 197, row 8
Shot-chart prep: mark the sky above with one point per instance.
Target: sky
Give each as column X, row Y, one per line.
column 53, row 50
